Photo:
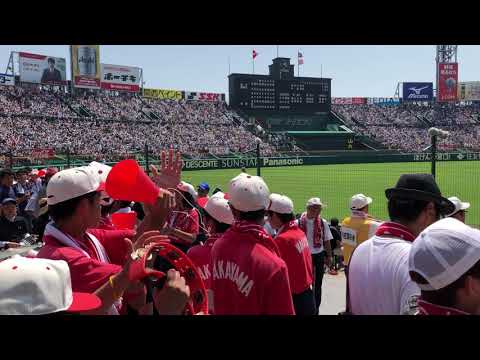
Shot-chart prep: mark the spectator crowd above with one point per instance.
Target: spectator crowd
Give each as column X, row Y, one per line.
column 118, row 126
column 404, row 127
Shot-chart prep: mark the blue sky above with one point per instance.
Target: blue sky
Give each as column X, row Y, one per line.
column 357, row 70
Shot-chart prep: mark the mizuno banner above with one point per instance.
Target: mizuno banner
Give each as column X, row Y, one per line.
column 417, row 91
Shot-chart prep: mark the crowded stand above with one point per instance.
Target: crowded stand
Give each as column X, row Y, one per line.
column 404, row 128
column 35, row 101
column 195, row 128
column 112, row 107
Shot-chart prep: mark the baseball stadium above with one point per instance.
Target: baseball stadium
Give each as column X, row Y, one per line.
column 288, row 129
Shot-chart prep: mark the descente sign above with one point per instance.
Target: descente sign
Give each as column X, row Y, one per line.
column 231, row 163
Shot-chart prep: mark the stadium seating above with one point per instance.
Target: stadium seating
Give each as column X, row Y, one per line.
column 404, row 127
column 113, row 127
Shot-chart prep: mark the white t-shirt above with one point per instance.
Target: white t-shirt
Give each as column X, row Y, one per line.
column 378, row 277
column 327, row 235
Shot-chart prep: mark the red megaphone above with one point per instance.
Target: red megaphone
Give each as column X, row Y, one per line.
column 125, row 220
column 127, row 181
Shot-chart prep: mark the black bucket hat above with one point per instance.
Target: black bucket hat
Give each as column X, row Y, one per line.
column 420, row 187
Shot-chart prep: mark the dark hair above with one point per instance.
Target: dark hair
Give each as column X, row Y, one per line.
column 363, row 208
column 285, row 218
column 334, row 221
column 5, row 172
column 66, row 209
column 124, row 203
column 446, row 296
column 219, row 226
column 217, row 189
column 51, row 60
column 407, row 210
column 106, row 209
column 252, row 215
column 187, row 199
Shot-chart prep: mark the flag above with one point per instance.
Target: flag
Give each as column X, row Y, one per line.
column 254, row 54
column 300, row 58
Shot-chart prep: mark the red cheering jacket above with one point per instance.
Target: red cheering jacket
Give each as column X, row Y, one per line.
column 248, row 275
column 88, row 274
column 293, row 245
column 200, row 256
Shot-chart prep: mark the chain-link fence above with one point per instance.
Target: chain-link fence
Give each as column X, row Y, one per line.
column 334, row 183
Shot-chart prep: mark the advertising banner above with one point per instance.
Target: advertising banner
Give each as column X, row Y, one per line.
column 43, row 153
column 417, row 91
column 469, row 91
column 7, row 80
column 447, row 82
column 342, row 101
column 349, row 100
column 41, row 69
column 163, row 94
column 204, row 96
column 359, row 100
column 86, row 71
column 384, row 101
column 121, row 78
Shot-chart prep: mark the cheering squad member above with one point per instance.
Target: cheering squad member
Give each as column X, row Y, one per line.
column 293, row 245
column 218, row 219
column 248, row 275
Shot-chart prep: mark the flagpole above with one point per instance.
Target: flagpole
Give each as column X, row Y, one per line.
column 229, row 72
column 321, row 70
column 277, row 50
column 298, row 63
column 253, row 62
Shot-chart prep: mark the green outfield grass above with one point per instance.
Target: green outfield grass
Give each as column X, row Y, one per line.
column 335, row 184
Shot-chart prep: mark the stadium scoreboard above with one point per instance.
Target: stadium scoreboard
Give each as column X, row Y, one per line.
column 280, row 91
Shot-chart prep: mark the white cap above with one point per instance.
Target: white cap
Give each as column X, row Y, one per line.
column 443, row 252
column 39, row 286
column 315, row 201
column 218, row 208
column 459, row 205
column 102, row 170
column 72, row 183
column 359, row 201
column 248, row 193
column 280, row 204
column 186, row 187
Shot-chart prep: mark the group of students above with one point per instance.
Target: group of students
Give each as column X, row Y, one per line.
column 244, row 269
column 414, row 263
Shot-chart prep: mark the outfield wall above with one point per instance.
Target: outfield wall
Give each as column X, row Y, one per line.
column 358, row 158
column 353, row 158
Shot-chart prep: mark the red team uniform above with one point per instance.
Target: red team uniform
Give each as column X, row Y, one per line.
column 256, row 284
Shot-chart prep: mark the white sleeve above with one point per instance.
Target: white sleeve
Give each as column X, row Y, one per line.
column 328, row 233
column 32, row 204
column 373, row 228
column 408, row 290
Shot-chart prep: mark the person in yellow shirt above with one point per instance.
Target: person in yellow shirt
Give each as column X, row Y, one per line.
column 358, row 227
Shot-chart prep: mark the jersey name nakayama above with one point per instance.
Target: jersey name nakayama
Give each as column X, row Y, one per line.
column 230, row 271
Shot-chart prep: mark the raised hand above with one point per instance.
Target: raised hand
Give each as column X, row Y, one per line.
column 170, row 172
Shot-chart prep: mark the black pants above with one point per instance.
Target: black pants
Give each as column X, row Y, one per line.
column 304, row 303
column 318, row 262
